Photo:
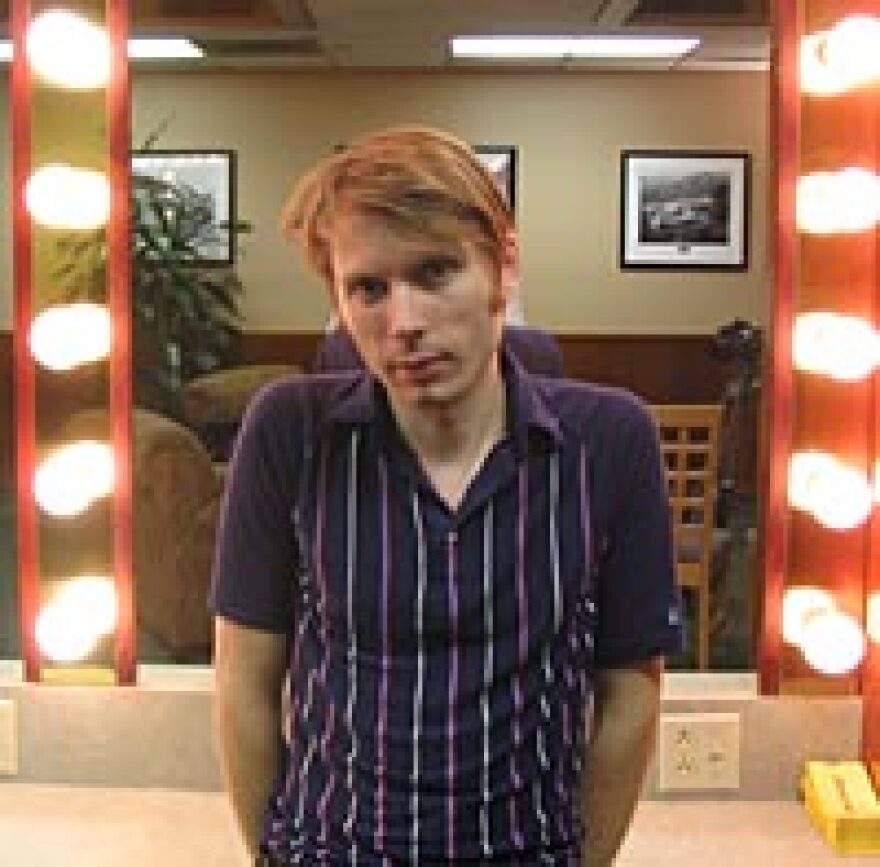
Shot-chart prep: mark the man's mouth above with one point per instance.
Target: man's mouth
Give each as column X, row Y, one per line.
column 424, row 365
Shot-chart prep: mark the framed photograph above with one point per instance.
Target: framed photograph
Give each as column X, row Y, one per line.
column 501, row 161
column 684, row 209
column 198, row 187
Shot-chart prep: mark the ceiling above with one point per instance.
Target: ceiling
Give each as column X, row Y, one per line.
column 413, row 34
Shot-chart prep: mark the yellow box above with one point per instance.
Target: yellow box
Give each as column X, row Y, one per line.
column 843, row 804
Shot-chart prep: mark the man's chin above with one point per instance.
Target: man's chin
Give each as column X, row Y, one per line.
column 419, row 393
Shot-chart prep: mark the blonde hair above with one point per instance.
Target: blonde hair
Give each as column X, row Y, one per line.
column 425, row 181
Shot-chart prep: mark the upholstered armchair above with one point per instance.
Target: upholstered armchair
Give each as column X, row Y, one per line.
column 176, row 501
column 177, row 497
column 213, row 404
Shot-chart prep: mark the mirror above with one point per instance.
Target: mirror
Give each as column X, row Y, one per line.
column 650, row 330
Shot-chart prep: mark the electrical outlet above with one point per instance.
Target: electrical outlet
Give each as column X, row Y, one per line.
column 698, row 752
column 8, row 739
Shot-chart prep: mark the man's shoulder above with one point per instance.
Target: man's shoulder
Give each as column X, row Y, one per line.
column 313, row 394
column 583, row 407
column 290, row 412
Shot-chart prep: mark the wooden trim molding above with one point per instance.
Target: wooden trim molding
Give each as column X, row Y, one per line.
column 660, row 368
column 779, row 389
column 118, row 108
column 22, row 372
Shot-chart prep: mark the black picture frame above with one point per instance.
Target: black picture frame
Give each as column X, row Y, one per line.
column 503, row 162
column 685, row 209
column 209, row 174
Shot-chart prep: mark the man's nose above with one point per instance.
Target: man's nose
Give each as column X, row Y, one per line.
column 405, row 315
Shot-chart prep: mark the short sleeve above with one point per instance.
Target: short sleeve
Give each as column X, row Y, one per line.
column 256, row 559
column 639, row 603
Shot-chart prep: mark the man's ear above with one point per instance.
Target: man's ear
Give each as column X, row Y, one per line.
column 509, row 268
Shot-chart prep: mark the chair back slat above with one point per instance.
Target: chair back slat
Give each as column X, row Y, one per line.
column 689, row 442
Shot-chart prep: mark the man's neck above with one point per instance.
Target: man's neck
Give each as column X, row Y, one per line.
column 459, row 433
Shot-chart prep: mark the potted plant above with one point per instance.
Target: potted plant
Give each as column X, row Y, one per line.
column 185, row 313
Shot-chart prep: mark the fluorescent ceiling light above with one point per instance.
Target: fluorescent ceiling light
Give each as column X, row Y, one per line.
column 522, row 47
column 138, row 49
column 163, row 49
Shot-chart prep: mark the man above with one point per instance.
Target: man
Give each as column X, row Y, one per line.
column 463, row 570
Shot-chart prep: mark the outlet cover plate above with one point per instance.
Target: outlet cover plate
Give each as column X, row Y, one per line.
column 698, row 752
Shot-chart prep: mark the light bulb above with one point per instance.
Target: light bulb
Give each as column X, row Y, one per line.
column 832, row 642
column 69, row 335
column 830, row 202
column 799, row 603
column 814, row 74
column 92, row 599
column 873, row 617
column 84, row 609
column 842, row 347
column 850, row 50
column 805, row 471
column 843, row 500
column 836, row 495
column 73, row 477
column 69, row 51
column 64, row 197
column 844, row 57
column 60, row 639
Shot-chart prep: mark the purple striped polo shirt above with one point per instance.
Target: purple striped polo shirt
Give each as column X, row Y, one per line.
column 441, row 663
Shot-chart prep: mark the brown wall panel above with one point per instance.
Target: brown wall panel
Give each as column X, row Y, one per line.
column 660, row 368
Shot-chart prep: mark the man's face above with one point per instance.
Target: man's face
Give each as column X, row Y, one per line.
column 424, row 313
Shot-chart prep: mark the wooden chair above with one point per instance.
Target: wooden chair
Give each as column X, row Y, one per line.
column 689, row 440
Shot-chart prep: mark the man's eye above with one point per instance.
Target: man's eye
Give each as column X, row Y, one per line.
column 434, row 272
column 368, row 289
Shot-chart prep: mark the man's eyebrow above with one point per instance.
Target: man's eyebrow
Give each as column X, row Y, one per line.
column 432, row 254
column 361, row 276
column 356, row 276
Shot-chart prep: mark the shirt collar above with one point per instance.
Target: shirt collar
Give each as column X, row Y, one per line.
column 527, row 408
column 355, row 402
column 361, row 401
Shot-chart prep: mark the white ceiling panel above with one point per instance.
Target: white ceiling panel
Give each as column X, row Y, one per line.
column 414, row 34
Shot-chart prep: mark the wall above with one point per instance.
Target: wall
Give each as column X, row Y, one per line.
column 570, row 129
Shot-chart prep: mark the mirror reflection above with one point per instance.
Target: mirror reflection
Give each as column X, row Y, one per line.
column 223, row 305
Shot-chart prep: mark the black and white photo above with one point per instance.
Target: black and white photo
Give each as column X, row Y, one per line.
column 684, row 209
column 501, row 160
column 196, row 188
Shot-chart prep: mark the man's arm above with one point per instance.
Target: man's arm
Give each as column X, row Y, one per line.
column 627, row 704
column 249, row 669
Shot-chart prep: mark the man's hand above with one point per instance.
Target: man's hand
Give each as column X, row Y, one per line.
column 249, row 670
column 626, row 708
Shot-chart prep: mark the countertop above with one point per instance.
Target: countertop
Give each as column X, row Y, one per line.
column 51, row 826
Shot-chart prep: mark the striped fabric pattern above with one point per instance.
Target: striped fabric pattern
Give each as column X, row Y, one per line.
column 433, row 693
